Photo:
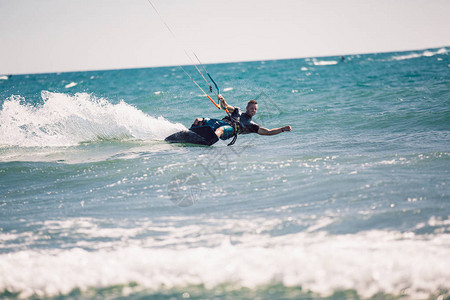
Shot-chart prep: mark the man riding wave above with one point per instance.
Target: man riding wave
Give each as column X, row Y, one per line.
column 237, row 122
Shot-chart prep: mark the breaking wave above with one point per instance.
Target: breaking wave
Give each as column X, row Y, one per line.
column 68, row 120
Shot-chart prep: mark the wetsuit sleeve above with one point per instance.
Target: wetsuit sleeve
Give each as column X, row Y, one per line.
column 252, row 127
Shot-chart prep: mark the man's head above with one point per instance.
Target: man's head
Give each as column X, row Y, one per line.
column 252, row 107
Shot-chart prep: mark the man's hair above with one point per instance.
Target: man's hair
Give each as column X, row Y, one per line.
column 252, row 102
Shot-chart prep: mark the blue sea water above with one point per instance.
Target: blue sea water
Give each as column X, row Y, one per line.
column 353, row 203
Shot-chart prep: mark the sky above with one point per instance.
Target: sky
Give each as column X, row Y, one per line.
column 78, row 35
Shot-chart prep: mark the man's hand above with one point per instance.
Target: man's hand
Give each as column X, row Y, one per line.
column 224, row 105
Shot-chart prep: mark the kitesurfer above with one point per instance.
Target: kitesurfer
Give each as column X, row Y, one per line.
column 237, row 122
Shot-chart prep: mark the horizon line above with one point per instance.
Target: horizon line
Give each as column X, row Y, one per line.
column 217, row 63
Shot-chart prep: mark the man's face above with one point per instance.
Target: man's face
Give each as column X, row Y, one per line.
column 251, row 109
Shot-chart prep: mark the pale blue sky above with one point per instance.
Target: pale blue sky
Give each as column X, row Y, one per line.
column 56, row 36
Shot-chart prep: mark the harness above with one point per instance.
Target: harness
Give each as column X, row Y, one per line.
column 236, row 126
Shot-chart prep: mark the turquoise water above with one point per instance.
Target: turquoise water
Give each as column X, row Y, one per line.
column 353, row 203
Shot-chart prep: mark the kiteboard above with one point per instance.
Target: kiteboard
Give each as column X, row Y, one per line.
column 200, row 135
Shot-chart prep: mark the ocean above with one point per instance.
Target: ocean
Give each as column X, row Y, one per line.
column 353, row 203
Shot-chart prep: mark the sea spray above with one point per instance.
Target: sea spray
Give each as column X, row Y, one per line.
column 67, row 120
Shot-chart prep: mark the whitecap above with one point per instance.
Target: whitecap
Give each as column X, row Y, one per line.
column 325, row 62
column 72, row 84
column 426, row 53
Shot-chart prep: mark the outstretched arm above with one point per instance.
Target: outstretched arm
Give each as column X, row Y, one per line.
column 265, row 131
column 224, row 105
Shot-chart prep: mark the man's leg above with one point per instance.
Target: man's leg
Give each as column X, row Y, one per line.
column 219, row 131
column 220, row 127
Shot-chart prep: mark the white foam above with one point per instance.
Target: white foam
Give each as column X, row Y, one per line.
column 72, row 84
column 324, row 62
column 426, row 53
column 369, row 262
column 67, row 120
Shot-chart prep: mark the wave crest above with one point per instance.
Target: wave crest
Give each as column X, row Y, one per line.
column 426, row 53
column 68, row 120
